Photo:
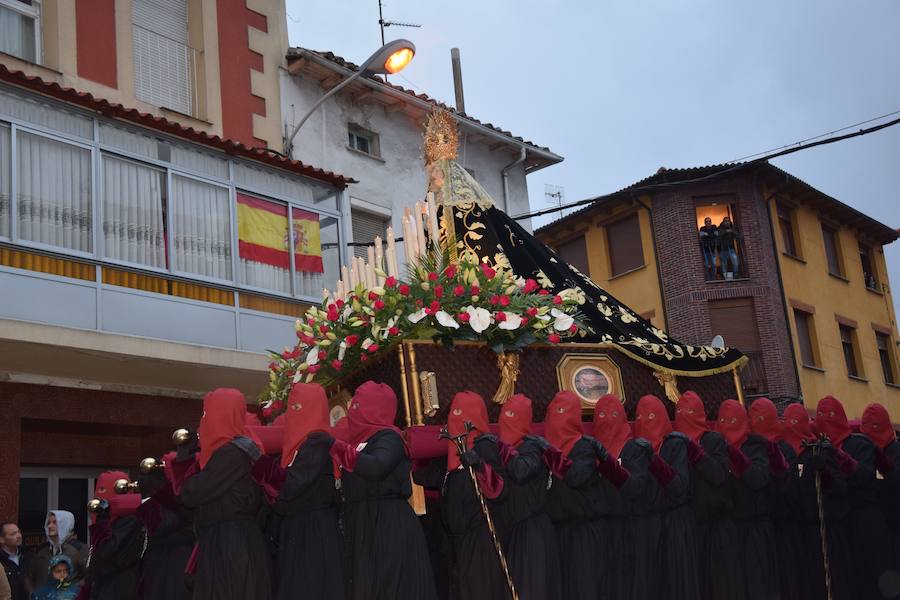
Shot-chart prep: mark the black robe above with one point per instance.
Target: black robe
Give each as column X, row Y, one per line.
column 678, row 557
column 309, row 537
column 754, row 497
column 639, row 565
column 233, row 561
column 579, row 506
column 167, row 555
column 386, row 550
column 529, row 539
column 721, row 571
column 114, row 569
column 869, row 533
column 889, row 498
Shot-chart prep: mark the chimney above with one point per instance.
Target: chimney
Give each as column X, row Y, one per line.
column 457, row 80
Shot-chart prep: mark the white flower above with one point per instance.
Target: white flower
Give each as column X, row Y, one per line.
column 562, row 321
column 512, row 322
column 446, row 320
column 348, row 310
column 479, row 318
column 366, row 343
column 298, row 376
column 417, row 316
column 313, row 357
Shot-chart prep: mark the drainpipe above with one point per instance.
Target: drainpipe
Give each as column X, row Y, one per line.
column 505, row 174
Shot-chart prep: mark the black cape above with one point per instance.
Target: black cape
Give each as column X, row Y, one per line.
column 233, row 562
column 386, row 550
column 167, row 555
column 309, row 537
column 114, row 569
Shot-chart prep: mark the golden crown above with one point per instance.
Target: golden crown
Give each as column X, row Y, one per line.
column 441, row 136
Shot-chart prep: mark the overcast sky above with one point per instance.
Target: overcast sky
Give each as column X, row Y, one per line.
column 622, row 88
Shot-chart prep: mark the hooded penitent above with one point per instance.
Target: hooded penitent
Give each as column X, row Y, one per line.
column 224, row 411
column 65, row 523
column 563, row 421
column 515, row 419
column 733, row 423
column 611, row 425
column 764, row 419
column 832, row 420
column 796, row 428
column 105, row 486
column 690, row 416
column 307, row 411
column 466, row 407
column 876, row 423
column 652, row 421
column 373, row 409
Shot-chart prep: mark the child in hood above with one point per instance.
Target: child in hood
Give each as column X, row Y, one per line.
column 61, row 539
column 59, row 586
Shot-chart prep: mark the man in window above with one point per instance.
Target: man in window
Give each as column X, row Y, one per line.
column 708, row 239
column 728, row 235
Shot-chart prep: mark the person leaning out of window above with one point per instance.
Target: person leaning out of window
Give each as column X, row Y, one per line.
column 709, row 234
column 728, row 239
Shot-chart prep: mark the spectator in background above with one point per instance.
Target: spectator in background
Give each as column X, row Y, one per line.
column 59, row 585
column 15, row 561
column 709, row 238
column 5, row 593
column 61, row 540
column 728, row 256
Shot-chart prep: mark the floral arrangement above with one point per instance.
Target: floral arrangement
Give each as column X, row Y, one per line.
column 441, row 300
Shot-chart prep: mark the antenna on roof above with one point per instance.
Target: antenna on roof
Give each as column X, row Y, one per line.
column 555, row 195
column 382, row 23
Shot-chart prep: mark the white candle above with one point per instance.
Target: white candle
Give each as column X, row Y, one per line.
column 345, row 278
column 354, row 279
column 379, row 260
column 433, row 227
column 392, row 268
column 409, row 244
column 420, row 228
column 371, row 282
column 361, row 270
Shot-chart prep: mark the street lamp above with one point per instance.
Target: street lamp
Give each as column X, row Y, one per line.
column 389, row 59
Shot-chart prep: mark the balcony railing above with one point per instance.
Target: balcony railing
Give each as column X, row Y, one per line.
column 753, row 376
column 166, row 72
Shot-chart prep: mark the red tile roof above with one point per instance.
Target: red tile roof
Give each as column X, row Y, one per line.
column 294, row 53
column 133, row 115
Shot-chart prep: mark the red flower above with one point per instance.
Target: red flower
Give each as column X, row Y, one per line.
column 433, row 308
column 378, row 305
column 273, row 366
column 500, row 316
column 504, row 300
column 573, row 328
column 488, row 271
column 336, row 365
column 404, row 289
column 459, row 290
column 351, row 339
column 267, row 412
column 324, row 329
column 322, row 354
column 553, row 338
column 373, row 348
column 286, row 355
column 309, row 340
column 495, row 299
column 289, row 374
column 310, row 321
column 531, row 285
column 432, row 276
column 464, row 317
column 450, row 271
column 418, row 303
column 531, row 312
column 543, row 293
column 390, row 282
column 438, row 291
column 300, row 334
column 557, row 299
column 314, row 368
column 372, row 296
column 394, row 331
column 332, row 314
column 475, row 290
column 339, row 302
column 363, row 357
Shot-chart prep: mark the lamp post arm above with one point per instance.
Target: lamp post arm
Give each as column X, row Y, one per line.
column 289, row 142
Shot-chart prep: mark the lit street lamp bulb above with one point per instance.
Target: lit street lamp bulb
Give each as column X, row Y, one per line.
column 398, row 60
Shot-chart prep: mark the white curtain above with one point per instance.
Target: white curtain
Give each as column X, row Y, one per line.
column 16, row 34
column 4, row 181
column 133, row 225
column 54, row 192
column 201, row 232
column 265, row 276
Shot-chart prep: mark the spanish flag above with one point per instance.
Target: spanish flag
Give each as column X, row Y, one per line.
column 263, row 235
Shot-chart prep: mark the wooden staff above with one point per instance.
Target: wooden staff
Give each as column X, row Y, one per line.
column 823, row 532
column 460, row 442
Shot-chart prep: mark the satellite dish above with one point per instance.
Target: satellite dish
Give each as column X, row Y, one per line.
column 718, row 342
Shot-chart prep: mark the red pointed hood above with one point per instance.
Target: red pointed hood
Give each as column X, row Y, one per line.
column 515, row 419
column 611, row 424
column 764, row 419
column 652, row 421
column 796, row 427
column 562, row 425
column 224, row 418
column 307, row 411
column 466, row 406
column 104, row 488
column 733, row 423
column 876, row 423
column 372, row 409
column 832, row 420
column 690, row 416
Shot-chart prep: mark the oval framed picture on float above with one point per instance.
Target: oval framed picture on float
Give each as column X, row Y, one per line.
column 590, row 377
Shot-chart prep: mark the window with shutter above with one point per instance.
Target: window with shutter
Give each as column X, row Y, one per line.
column 626, row 252
column 832, row 250
column 574, row 252
column 848, row 345
column 20, row 29
column 163, row 61
column 883, row 341
column 804, row 322
column 786, row 225
column 735, row 320
column 366, row 226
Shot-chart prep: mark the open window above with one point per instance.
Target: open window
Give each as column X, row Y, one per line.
column 719, row 238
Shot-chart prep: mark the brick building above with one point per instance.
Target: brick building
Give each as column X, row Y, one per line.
column 802, row 289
